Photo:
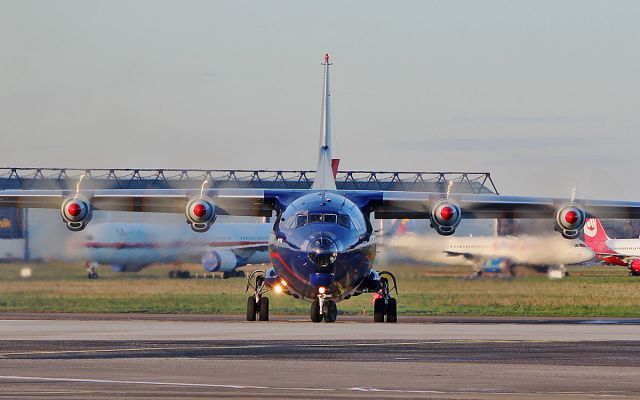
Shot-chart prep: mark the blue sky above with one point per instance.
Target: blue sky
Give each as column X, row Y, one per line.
column 542, row 94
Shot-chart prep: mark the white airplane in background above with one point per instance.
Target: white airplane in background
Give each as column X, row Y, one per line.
column 494, row 253
column 623, row 252
column 133, row 246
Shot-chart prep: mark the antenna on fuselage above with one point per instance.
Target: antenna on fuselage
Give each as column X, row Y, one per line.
column 324, row 173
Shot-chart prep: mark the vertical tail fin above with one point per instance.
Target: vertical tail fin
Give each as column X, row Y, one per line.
column 324, row 174
column 594, row 235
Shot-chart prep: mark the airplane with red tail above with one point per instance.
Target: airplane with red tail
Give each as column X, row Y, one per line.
column 623, row 252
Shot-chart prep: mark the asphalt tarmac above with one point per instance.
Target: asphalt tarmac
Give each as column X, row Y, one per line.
column 111, row 356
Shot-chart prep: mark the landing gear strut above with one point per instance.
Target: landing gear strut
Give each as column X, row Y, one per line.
column 91, row 270
column 385, row 305
column 323, row 308
column 257, row 304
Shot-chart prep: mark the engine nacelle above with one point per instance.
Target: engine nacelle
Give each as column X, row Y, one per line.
column 445, row 217
column 220, row 260
column 201, row 213
column 570, row 219
column 76, row 212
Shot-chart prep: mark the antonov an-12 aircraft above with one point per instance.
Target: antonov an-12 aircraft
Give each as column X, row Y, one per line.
column 322, row 245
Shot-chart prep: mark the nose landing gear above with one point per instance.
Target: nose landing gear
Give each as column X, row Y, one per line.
column 257, row 304
column 385, row 305
column 323, row 308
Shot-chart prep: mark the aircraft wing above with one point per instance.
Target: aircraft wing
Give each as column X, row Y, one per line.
column 259, row 202
column 242, row 202
column 419, row 205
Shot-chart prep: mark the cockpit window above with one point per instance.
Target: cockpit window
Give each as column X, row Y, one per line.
column 331, row 218
column 301, row 220
column 343, row 219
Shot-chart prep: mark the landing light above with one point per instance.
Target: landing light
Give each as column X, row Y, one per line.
column 277, row 289
column 283, row 283
column 321, row 290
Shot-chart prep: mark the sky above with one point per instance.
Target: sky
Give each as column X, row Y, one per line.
column 541, row 94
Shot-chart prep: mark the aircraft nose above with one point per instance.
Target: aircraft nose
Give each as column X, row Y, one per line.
column 588, row 254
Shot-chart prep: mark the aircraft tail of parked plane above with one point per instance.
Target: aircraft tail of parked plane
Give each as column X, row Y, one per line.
column 595, row 235
column 623, row 252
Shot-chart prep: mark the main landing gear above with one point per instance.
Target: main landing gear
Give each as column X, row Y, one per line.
column 91, row 270
column 385, row 305
column 323, row 308
column 257, row 305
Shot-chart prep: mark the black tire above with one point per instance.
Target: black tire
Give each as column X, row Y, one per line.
column 329, row 311
column 251, row 308
column 184, row 275
column 95, row 275
column 391, row 311
column 263, row 313
column 172, row 274
column 316, row 316
column 378, row 310
column 225, row 275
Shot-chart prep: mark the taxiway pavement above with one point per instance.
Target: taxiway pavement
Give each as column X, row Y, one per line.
column 225, row 357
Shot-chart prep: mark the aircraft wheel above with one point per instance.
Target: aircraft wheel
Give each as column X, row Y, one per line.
column 172, row 274
column 391, row 311
column 378, row 310
column 251, row 308
column 315, row 311
column 225, row 275
column 263, row 313
column 92, row 275
column 330, row 311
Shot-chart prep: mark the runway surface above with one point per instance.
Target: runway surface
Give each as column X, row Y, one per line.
column 143, row 357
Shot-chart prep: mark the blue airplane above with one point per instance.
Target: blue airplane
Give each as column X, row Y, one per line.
column 322, row 245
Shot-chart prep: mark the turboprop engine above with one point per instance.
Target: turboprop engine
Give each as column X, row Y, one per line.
column 445, row 217
column 569, row 220
column 76, row 212
column 201, row 213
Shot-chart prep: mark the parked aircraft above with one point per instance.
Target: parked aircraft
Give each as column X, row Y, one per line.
column 623, row 252
column 322, row 245
column 133, row 246
column 550, row 254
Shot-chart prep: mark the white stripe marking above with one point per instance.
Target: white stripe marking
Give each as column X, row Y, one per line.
column 352, row 389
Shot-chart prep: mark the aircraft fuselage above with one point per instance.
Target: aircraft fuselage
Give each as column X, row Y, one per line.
column 323, row 240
